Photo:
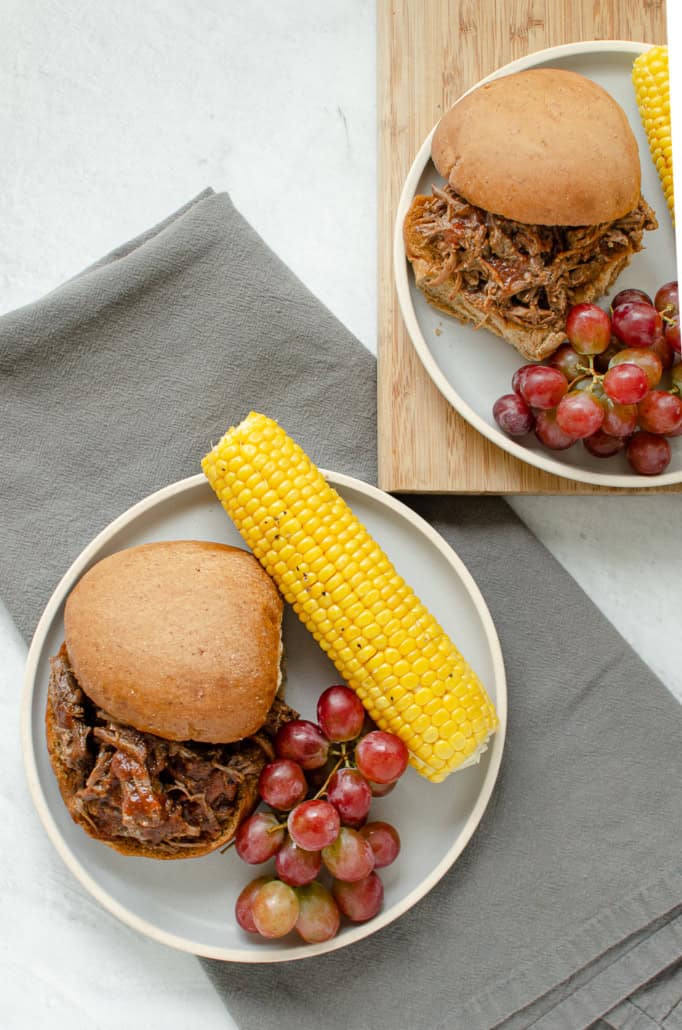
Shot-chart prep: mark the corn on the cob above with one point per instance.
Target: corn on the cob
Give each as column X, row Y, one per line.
column 410, row 677
column 652, row 91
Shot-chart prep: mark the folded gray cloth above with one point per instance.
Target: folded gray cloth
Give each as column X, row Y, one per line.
column 566, row 903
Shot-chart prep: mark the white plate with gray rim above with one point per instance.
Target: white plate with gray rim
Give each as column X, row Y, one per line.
column 189, row 904
column 473, row 367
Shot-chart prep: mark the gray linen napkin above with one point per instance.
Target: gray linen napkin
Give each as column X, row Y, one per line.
column 567, row 901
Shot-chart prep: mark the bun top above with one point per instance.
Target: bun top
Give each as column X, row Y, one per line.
column 543, row 147
column 181, row 639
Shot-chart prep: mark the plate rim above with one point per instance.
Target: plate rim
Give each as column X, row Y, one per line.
column 266, row 954
column 417, row 339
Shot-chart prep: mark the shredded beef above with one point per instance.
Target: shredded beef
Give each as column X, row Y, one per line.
column 68, row 700
column 136, row 785
column 529, row 273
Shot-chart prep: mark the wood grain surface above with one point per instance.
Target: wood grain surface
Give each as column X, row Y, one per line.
column 428, row 53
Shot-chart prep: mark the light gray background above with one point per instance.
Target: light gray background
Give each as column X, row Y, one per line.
column 112, row 116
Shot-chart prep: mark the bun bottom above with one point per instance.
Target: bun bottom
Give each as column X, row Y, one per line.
column 517, row 280
column 534, row 345
column 70, row 782
column 115, row 780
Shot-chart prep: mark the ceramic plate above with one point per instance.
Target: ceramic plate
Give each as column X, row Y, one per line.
column 472, row 368
column 189, row 904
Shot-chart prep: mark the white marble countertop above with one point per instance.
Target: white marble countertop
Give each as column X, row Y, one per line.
column 112, row 116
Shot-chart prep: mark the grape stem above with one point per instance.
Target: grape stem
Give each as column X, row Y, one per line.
column 323, row 788
column 344, row 759
column 231, row 843
column 344, row 754
column 585, row 371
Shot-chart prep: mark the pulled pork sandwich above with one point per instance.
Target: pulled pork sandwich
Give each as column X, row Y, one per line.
column 541, row 208
column 162, row 702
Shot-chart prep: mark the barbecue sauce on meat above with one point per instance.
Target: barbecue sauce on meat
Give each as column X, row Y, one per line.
column 527, row 273
column 138, row 786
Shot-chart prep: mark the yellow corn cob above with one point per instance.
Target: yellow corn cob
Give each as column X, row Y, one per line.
column 652, row 90
column 386, row 645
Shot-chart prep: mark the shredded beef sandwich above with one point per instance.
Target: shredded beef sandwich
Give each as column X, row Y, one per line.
column 163, row 700
column 541, row 209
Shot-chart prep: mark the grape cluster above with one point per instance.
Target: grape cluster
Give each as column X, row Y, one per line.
column 316, row 824
column 606, row 385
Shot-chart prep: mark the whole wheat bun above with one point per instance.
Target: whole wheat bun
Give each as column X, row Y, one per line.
column 181, row 639
column 543, row 147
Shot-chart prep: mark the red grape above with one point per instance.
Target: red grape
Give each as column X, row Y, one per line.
column 350, row 857
column 513, row 415
column 619, row 419
column 663, row 349
column 361, row 900
column 318, row 914
column 282, row 784
column 244, row 904
column 274, row 909
column 648, row 453
column 588, row 328
column 296, row 866
column 381, row 757
column 627, row 296
column 660, row 412
column 602, row 361
column 313, row 824
column 543, row 387
column 519, row 376
column 380, row 790
column 667, row 299
column 671, row 335
column 636, row 324
column 645, row 358
column 626, row 383
column 317, row 778
column 592, row 386
column 602, row 445
column 384, row 841
column 340, row 713
column 303, row 742
column 258, row 837
column 568, row 361
column 350, row 794
column 548, row 432
column 579, row 415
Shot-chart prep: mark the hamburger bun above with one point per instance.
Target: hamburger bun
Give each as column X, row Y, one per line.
column 542, row 147
column 180, row 639
column 541, row 209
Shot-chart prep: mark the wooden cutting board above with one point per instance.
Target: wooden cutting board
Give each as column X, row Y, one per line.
column 429, row 52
